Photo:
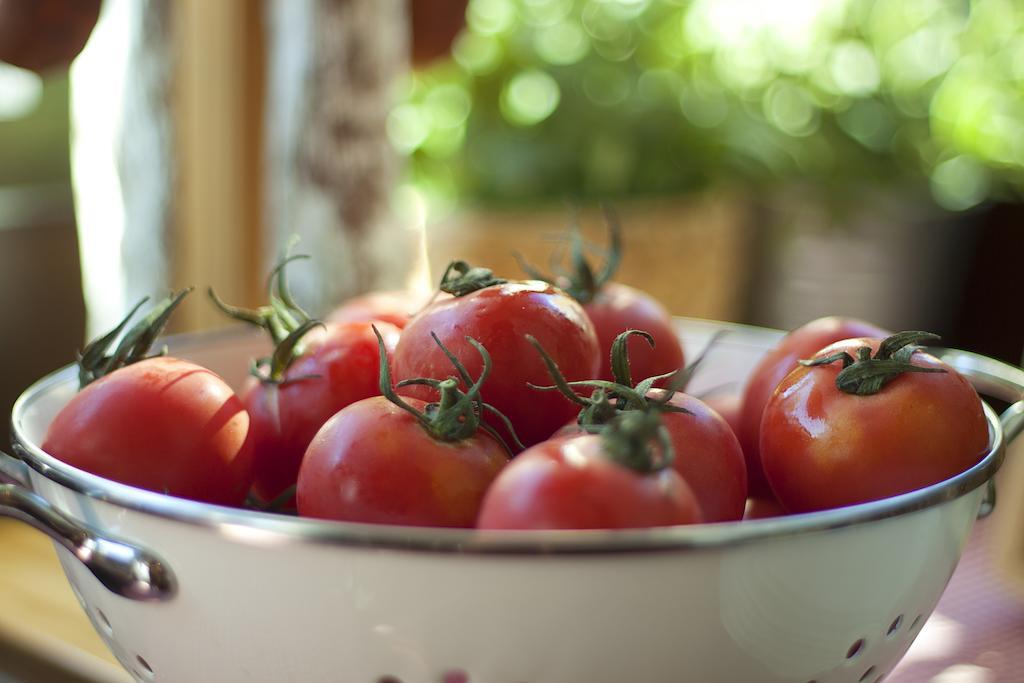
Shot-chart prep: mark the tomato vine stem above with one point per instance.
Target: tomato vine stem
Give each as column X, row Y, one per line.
column 460, row 279
column 457, row 414
column 285, row 321
column 866, row 375
column 583, row 280
column 95, row 362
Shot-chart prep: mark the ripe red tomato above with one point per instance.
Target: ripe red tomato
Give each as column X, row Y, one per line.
column 161, row 424
column 571, row 483
column 374, row 462
column 500, row 317
column 339, row 365
column 616, row 308
column 823, row 448
column 707, row 456
column 802, row 342
column 395, row 307
column 728, row 406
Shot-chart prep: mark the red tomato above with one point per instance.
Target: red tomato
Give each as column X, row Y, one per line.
column 374, row 462
column 707, row 456
column 395, row 307
column 802, row 342
column 572, row 484
column 824, row 448
column 500, row 317
column 161, row 424
column 617, row 308
column 728, row 406
column 338, row 366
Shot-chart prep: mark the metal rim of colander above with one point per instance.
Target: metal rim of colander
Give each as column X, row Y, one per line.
column 266, row 528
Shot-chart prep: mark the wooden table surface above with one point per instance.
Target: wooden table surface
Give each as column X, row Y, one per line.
column 44, row 634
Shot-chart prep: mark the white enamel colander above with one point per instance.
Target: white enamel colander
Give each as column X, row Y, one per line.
column 187, row 592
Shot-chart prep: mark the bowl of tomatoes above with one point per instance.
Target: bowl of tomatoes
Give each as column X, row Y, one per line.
column 182, row 589
column 511, row 480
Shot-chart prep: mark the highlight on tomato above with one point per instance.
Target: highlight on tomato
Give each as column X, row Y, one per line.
column 500, row 315
column 707, row 453
column 395, row 460
column 153, row 421
column 615, row 308
column 867, row 419
column 315, row 370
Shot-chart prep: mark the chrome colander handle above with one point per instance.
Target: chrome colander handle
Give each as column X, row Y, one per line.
column 996, row 379
column 123, row 568
column 992, row 378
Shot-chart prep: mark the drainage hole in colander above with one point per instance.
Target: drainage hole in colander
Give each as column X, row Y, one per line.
column 867, row 674
column 388, row 679
column 855, row 649
column 894, row 626
column 105, row 626
column 147, row 670
column 455, row 676
column 917, row 621
column 881, row 677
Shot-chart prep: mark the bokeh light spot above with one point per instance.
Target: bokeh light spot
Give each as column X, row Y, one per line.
column 529, row 98
column 959, row 183
column 854, row 69
column 448, row 105
column 407, row 128
column 790, row 108
column 561, row 44
column 20, row 92
column 546, row 12
column 489, row 17
column 476, row 54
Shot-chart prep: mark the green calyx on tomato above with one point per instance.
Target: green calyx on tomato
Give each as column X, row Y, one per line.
column 94, row 361
column 865, row 375
column 457, row 414
column 631, row 429
column 583, row 280
column 599, row 409
column 285, row 321
column 460, row 278
column 638, row 440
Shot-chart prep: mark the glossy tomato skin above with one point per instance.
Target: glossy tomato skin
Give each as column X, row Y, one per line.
column 822, row 448
column 728, row 406
column 342, row 365
column 568, row 483
column 803, row 342
column 707, row 456
column 392, row 306
column 161, row 424
column 373, row 462
column 617, row 308
column 500, row 317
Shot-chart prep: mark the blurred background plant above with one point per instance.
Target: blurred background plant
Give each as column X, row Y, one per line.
column 606, row 99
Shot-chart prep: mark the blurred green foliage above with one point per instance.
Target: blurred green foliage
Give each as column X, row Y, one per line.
column 549, row 99
column 34, row 128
